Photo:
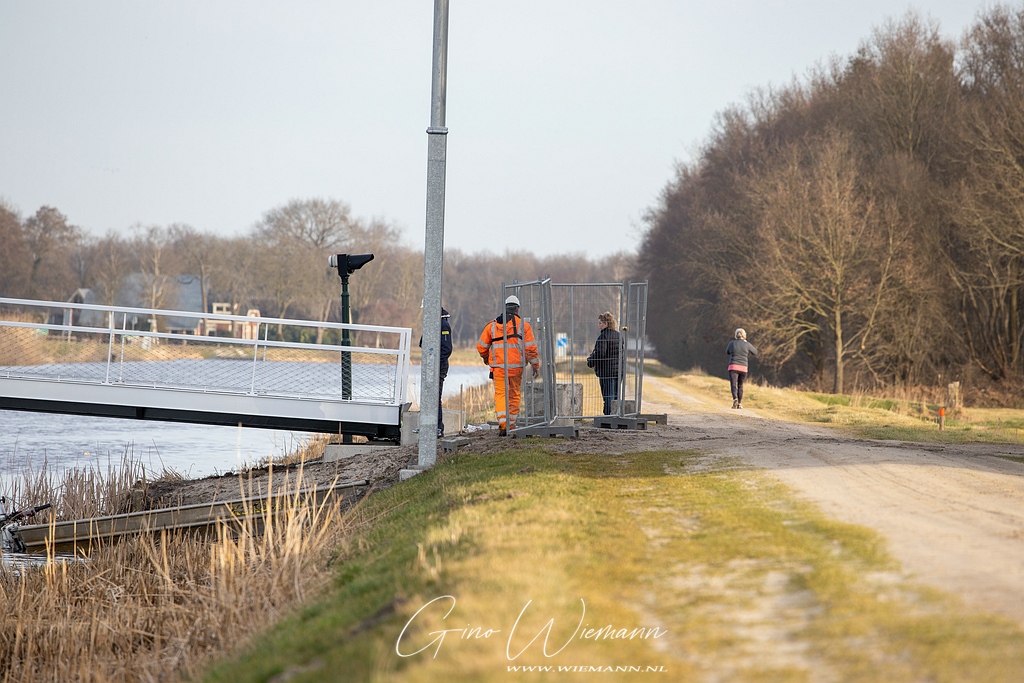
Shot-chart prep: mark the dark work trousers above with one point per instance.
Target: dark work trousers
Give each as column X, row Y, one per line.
column 609, row 392
column 440, row 410
column 736, row 379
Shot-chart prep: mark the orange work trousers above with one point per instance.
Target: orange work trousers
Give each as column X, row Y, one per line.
column 507, row 408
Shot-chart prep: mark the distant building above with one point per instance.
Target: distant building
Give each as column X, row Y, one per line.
column 180, row 293
column 231, row 328
column 74, row 316
column 220, row 328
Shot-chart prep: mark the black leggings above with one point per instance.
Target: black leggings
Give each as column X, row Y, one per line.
column 736, row 379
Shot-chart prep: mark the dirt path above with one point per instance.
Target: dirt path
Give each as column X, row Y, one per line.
column 953, row 514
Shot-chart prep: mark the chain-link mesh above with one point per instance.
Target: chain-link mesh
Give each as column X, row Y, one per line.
column 565, row 324
column 37, row 342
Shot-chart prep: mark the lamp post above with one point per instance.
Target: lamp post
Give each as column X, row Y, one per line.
column 346, row 265
column 433, row 248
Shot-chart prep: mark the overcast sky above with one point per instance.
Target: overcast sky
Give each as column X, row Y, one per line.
column 566, row 117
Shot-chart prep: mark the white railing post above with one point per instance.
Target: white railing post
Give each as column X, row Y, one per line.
column 110, row 345
column 255, row 357
column 124, row 337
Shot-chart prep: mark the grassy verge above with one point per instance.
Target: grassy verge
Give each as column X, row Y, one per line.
column 712, row 570
column 901, row 419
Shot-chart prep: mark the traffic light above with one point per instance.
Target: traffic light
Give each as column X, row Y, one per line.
column 348, row 263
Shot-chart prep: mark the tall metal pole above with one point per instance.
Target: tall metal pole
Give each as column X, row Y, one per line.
column 433, row 252
column 346, row 340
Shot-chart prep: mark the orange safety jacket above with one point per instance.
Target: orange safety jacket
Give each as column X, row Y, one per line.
column 505, row 343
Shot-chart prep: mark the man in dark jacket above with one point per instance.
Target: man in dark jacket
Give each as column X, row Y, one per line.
column 605, row 360
column 446, row 352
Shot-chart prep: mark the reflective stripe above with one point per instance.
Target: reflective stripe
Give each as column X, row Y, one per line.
column 513, row 366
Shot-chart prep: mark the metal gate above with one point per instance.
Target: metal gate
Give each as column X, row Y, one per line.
column 564, row 318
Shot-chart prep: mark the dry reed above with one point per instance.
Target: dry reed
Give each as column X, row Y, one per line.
column 476, row 402
column 79, row 492
column 159, row 607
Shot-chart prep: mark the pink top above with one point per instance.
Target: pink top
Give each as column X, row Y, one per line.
column 737, row 367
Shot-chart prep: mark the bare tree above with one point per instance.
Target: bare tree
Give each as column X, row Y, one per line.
column 157, row 267
column 233, row 272
column 50, row 240
column 111, row 264
column 823, row 267
column 198, row 251
column 985, row 238
column 392, row 296
column 900, row 88
column 388, row 290
column 14, row 257
column 297, row 239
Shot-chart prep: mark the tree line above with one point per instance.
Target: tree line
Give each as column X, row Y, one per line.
column 865, row 223
column 279, row 267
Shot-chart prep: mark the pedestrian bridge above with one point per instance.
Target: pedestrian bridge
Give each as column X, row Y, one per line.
column 153, row 364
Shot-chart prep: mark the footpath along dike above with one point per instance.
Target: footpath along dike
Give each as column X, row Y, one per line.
column 754, row 546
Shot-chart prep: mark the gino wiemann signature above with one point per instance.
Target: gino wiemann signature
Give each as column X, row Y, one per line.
column 582, row 632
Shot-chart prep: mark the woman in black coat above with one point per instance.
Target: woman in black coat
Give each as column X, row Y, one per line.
column 605, row 360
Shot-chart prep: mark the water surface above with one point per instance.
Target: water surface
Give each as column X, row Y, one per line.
column 57, row 442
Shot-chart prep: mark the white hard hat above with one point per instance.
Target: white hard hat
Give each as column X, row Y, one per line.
column 512, row 301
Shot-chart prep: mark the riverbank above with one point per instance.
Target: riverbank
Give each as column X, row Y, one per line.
column 728, row 532
column 667, row 551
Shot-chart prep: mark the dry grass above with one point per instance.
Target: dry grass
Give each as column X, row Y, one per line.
column 20, row 345
column 156, row 607
column 477, row 402
column 900, row 414
column 79, row 492
column 306, row 450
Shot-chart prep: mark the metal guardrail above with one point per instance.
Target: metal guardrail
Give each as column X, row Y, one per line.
column 82, row 345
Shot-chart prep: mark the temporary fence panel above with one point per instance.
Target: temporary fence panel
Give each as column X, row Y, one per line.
column 633, row 333
column 564, row 318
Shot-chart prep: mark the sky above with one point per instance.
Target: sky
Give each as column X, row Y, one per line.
column 566, row 118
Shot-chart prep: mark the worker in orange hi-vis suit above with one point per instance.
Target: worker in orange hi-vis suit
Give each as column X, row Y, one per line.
column 507, row 345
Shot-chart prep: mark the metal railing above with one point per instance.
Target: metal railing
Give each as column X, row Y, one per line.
column 76, row 344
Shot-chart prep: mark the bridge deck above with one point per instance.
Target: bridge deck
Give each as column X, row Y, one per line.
column 93, row 360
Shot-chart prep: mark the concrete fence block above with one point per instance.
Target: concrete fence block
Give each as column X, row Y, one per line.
column 339, row 451
column 568, row 401
column 454, row 423
column 628, row 407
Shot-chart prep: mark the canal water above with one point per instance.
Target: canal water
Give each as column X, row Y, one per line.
column 37, row 441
